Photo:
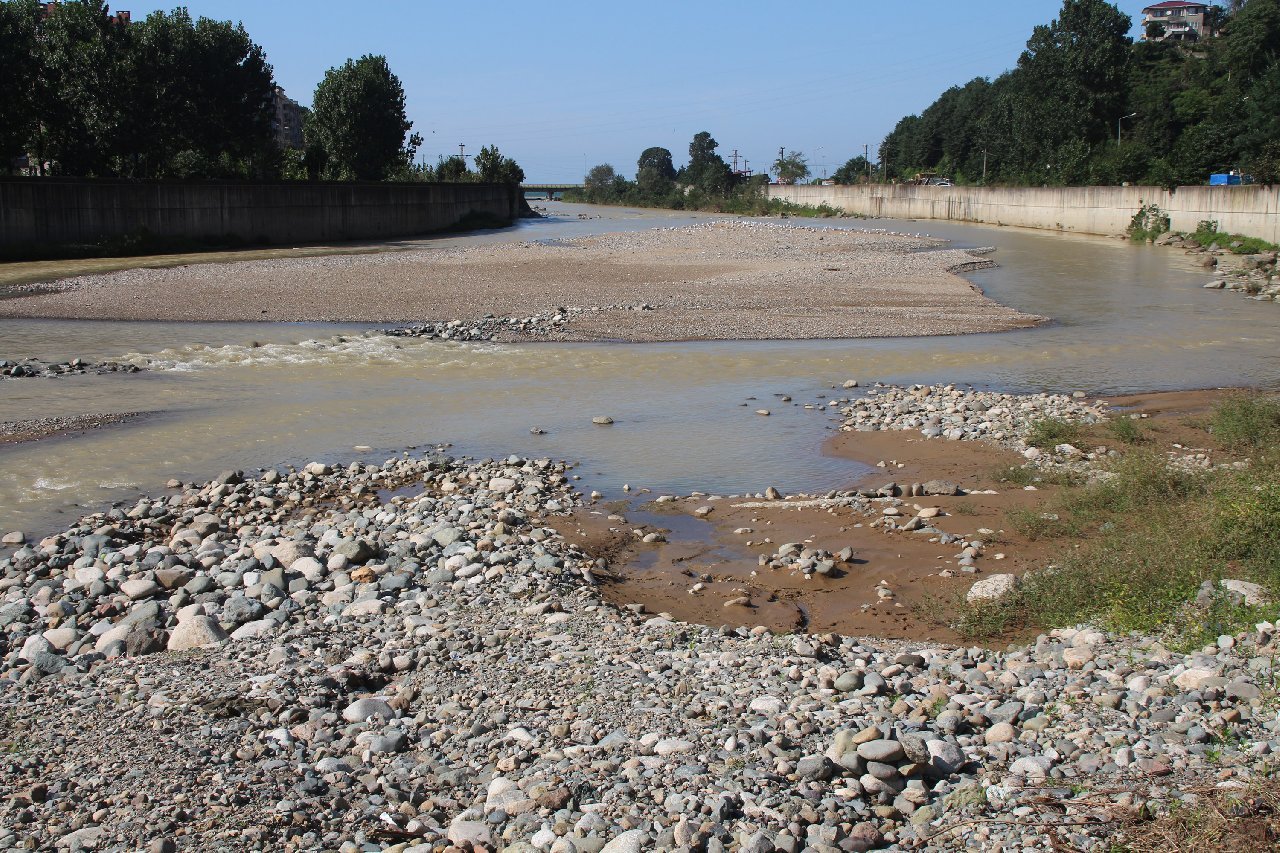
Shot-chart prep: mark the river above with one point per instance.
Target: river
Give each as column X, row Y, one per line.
column 1125, row 318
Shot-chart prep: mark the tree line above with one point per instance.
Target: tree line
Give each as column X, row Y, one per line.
column 1086, row 104
column 706, row 182
column 92, row 94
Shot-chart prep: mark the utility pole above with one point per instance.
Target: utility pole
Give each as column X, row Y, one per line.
column 462, row 151
column 984, row 167
column 735, row 161
column 866, row 158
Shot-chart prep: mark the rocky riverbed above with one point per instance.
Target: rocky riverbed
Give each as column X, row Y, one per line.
column 31, row 368
column 1254, row 274
column 405, row 656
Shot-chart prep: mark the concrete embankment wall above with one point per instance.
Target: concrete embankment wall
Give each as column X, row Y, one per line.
column 1253, row 211
column 42, row 213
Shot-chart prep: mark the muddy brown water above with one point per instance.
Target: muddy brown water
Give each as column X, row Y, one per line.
column 1125, row 319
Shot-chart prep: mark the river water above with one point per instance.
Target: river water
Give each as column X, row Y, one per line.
column 1125, row 318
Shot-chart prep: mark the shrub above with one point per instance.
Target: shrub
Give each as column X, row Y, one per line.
column 1050, row 432
column 1126, row 430
column 1148, row 223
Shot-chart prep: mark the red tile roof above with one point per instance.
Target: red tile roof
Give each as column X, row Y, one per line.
column 1173, row 4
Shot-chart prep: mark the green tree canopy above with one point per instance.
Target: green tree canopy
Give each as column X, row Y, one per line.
column 791, row 167
column 655, row 173
column 452, row 170
column 20, row 71
column 80, row 89
column 199, row 99
column 492, row 167
column 855, row 170
column 600, row 178
column 707, row 171
column 358, row 118
column 1071, row 81
column 1253, row 38
column 1086, row 105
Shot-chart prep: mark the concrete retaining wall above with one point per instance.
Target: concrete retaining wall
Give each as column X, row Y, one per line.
column 1253, row 211
column 50, row 212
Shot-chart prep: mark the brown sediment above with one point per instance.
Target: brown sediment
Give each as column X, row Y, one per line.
column 708, row 550
column 718, row 281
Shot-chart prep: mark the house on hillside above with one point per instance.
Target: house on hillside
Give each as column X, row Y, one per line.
column 1176, row 21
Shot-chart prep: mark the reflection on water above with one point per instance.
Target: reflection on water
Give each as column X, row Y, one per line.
column 244, row 395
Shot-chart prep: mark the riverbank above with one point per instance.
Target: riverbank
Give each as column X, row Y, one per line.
column 719, row 281
column 892, row 554
column 407, row 656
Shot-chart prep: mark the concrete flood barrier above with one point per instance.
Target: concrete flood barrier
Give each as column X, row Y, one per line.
column 43, row 214
column 1253, row 211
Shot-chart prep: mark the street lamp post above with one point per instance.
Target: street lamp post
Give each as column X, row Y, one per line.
column 1118, row 121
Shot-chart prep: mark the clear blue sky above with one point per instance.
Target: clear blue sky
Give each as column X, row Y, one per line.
column 562, row 85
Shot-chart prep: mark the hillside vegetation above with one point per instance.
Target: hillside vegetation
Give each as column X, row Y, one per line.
column 1180, row 110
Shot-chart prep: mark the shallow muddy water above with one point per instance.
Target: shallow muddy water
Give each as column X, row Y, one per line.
column 1125, row 319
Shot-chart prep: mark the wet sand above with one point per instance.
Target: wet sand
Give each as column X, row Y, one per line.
column 708, row 551
column 717, row 281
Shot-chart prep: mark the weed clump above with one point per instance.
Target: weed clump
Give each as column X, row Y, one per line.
column 1048, row 433
column 1126, row 430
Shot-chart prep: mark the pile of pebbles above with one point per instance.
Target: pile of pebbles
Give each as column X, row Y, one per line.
column 965, row 414
column 490, row 328
column 30, row 368
column 299, row 661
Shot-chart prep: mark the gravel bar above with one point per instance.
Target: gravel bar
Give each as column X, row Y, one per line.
column 722, row 280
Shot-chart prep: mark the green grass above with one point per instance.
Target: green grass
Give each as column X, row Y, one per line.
column 1248, row 245
column 1247, row 422
column 1049, row 433
column 1029, row 475
column 1126, row 430
column 1135, row 546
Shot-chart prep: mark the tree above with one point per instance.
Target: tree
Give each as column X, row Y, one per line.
column 854, row 171
column 791, row 167
column 1071, row 80
column 599, row 180
column 1253, row 38
column 1155, row 30
column 359, row 120
column 80, row 88
column 452, row 170
column 199, row 101
column 496, row 169
column 19, row 68
column 655, row 173
column 707, row 171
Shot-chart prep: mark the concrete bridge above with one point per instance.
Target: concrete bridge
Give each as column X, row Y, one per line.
column 549, row 190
